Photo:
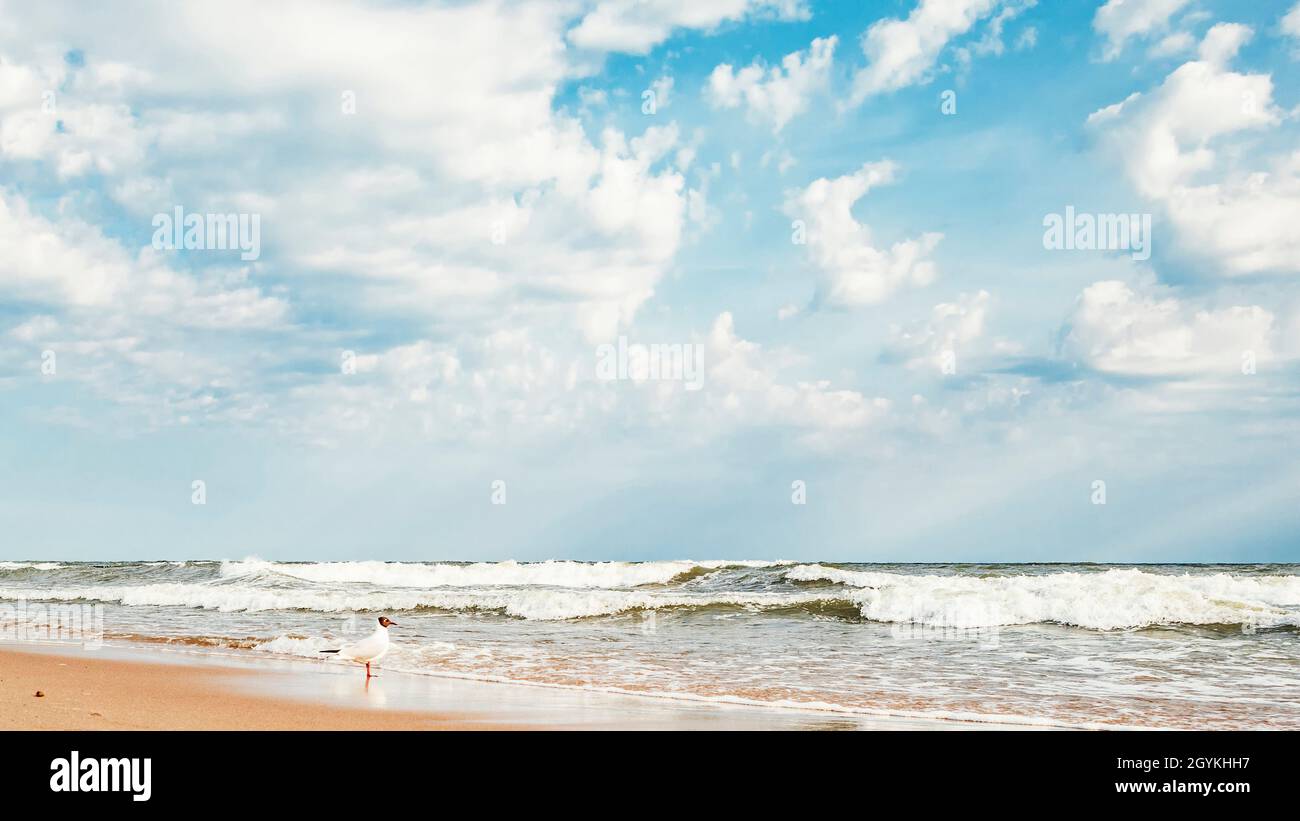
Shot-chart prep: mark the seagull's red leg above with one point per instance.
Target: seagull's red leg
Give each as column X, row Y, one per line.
column 367, row 669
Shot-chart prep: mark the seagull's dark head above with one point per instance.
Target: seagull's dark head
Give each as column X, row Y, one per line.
column 384, row 621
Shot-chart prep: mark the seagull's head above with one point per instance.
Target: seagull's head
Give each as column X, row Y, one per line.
column 384, row 621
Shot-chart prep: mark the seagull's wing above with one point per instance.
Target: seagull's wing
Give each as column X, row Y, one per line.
column 367, row 648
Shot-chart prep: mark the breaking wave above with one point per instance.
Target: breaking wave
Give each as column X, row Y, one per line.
column 1109, row 600
column 1101, row 599
column 486, row 574
column 539, row 604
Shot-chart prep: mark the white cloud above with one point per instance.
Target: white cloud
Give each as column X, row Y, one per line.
column 780, row 157
column 1244, row 222
column 1223, row 41
column 129, row 326
column 377, row 221
column 903, row 52
column 951, row 328
column 1290, row 24
column 853, row 271
column 70, row 264
column 637, row 26
column 36, row 329
column 384, row 218
column 991, row 42
column 774, row 96
column 592, row 98
column 81, row 135
column 663, row 89
column 468, row 389
column 494, row 123
column 1179, row 42
column 1116, row 330
column 74, row 138
column 590, row 224
column 1121, row 20
column 743, row 382
column 182, row 132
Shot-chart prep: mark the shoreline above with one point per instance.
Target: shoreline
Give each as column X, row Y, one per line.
column 137, row 688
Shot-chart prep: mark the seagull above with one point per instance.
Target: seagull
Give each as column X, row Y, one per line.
column 371, row 648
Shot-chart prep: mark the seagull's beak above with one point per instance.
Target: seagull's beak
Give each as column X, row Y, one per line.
column 392, row 624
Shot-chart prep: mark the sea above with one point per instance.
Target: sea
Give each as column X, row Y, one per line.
column 1061, row 645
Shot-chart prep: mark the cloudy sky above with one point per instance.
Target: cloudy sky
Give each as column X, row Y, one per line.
column 839, row 208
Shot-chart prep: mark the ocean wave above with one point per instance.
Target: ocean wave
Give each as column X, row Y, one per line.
column 1113, row 599
column 485, row 574
column 30, row 565
column 535, row 604
column 188, row 641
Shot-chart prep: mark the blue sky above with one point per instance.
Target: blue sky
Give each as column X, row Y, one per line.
column 460, row 204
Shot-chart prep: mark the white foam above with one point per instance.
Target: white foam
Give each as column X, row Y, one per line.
column 527, row 603
column 30, row 565
column 1107, row 600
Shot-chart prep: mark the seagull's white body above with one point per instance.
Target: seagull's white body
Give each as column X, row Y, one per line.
column 370, row 649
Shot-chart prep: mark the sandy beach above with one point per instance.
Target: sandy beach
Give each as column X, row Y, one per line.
column 80, row 691
column 136, row 688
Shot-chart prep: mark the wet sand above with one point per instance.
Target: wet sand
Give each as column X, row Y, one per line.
column 129, row 688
